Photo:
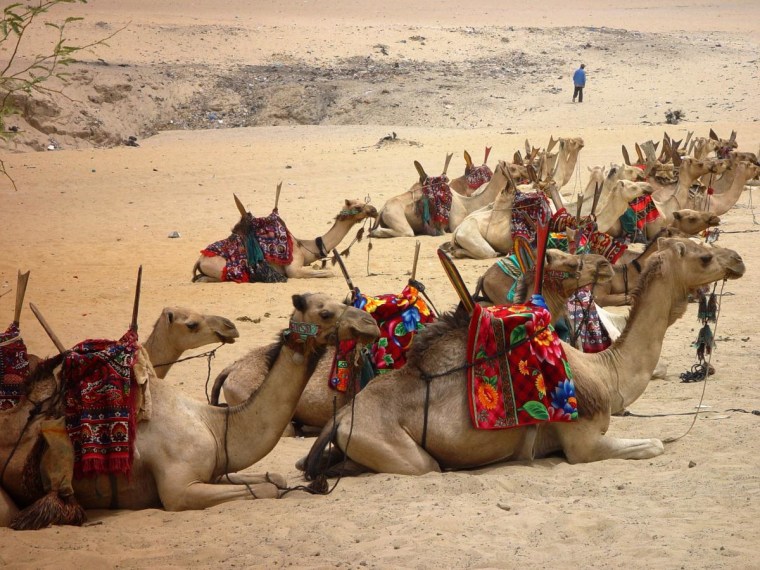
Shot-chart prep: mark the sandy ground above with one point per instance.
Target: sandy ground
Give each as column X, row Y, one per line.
column 319, row 94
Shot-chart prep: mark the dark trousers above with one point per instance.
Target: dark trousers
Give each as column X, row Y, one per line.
column 578, row 93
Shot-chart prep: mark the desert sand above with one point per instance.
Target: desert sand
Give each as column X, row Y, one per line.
column 312, row 88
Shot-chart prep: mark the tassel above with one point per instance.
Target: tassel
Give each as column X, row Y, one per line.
column 705, row 342
column 703, row 311
column 360, row 234
column 712, row 308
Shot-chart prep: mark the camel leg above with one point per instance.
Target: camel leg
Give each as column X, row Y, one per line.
column 253, row 479
column 208, row 269
column 179, row 492
column 584, row 441
column 399, row 227
column 386, row 453
column 306, row 272
column 469, row 242
column 8, row 509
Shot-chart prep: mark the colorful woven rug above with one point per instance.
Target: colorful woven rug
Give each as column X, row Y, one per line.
column 585, row 322
column 604, row 244
column 528, row 207
column 252, row 246
column 435, row 205
column 518, row 374
column 399, row 318
column 99, row 402
column 645, row 209
column 478, row 176
column 14, row 367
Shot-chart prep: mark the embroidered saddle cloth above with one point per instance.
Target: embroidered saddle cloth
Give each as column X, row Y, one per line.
column 253, row 244
column 435, row 205
column 645, row 209
column 526, row 209
column 517, row 371
column 399, row 318
column 14, row 367
column 478, row 176
column 585, row 321
column 99, row 402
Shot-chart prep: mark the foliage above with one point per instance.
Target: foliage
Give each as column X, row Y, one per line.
column 32, row 76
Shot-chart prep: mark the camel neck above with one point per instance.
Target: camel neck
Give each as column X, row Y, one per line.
column 161, row 354
column 250, row 430
column 336, row 233
column 633, row 357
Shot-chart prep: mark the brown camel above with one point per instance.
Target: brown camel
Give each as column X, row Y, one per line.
column 176, row 331
column 467, row 184
column 399, row 217
column 188, row 455
column 383, row 430
column 567, row 158
column 305, row 251
column 727, row 190
column 564, row 274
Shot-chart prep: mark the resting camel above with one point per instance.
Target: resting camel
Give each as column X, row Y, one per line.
column 727, row 190
column 305, row 251
column 176, row 330
column 567, row 157
column 399, row 216
column 464, row 184
column 188, row 455
column 386, row 422
column 608, row 181
column 564, row 273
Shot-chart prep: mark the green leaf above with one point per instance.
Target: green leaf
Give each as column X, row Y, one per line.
column 536, row 410
column 518, row 335
column 400, row 330
column 492, row 380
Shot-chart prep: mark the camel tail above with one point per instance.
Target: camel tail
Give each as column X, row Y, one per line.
column 317, row 461
column 197, row 273
column 216, row 389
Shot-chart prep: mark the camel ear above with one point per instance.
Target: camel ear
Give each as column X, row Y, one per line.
column 713, row 136
column 348, row 203
column 677, row 215
column 169, row 315
column 299, row 302
column 420, row 171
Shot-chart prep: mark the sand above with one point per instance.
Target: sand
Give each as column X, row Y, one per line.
column 313, row 93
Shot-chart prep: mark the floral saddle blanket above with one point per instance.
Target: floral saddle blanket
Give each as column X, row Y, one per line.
column 517, row 372
column 399, row 318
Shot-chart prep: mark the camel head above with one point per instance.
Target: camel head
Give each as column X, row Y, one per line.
column 597, row 173
column 718, row 166
column 356, row 211
column 322, row 320
column 698, row 264
column 691, row 222
column 571, row 271
column 629, row 191
column 572, row 145
column 696, row 167
column 518, row 172
column 625, row 172
column 186, row 329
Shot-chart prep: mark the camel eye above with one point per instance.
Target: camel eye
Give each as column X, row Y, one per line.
column 325, row 314
column 707, row 258
column 192, row 325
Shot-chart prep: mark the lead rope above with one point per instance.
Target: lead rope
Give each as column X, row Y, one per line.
column 706, row 370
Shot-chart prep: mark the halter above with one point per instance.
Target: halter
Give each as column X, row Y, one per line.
column 345, row 214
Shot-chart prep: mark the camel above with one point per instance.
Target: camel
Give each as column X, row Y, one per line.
column 727, row 191
column 305, row 251
column 567, row 157
column 188, row 455
column 608, row 181
column 176, row 330
column 383, row 430
column 399, row 216
column 565, row 273
column 467, row 184
column 616, row 203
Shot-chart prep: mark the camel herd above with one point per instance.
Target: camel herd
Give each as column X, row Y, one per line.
column 414, row 419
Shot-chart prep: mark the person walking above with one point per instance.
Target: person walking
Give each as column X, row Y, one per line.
column 579, row 79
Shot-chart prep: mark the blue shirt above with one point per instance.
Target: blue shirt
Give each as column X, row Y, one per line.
column 579, row 77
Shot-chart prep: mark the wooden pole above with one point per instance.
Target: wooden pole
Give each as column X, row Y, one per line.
column 343, row 270
column 240, row 206
column 416, row 258
column 277, row 196
column 456, row 281
column 136, row 306
column 56, row 341
column 21, row 282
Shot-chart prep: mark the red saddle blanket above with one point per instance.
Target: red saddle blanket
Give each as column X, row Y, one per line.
column 253, row 241
column 645, row 209
column 14, row 367
column 435, row 205
column 517, row 371
column 99, row 404
column 478, row 176
column 527, row 209
column 399, row 318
